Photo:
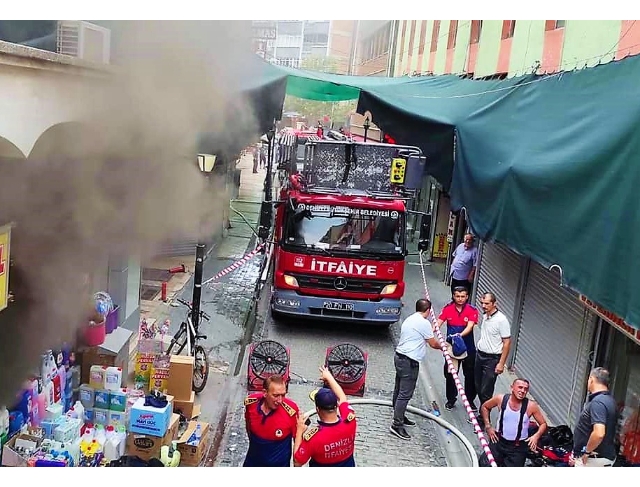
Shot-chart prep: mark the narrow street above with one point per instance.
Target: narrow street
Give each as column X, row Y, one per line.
column 308, row 342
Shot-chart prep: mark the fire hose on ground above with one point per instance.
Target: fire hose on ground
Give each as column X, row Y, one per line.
column 452, row 370
column 425, row 414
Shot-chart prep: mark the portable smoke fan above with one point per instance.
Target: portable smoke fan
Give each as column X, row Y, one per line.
column 267, row 358
column 348, row 365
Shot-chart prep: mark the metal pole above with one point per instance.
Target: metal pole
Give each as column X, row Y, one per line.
column 197, row 273
column 268, row 186
column 197, row 284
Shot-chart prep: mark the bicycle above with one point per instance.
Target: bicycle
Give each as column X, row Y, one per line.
column 188, row 336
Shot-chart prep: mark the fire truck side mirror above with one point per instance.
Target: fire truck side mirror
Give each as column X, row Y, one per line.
column 266, row 215
column 425, row 230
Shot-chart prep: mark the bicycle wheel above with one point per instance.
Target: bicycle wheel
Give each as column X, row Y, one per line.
column 179, row 339
column 200, row 369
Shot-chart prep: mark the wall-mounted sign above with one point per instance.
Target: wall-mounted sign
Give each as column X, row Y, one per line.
column 611, row 318
column 5, row 239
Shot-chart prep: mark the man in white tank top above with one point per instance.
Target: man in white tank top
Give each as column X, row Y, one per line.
column 509, row 439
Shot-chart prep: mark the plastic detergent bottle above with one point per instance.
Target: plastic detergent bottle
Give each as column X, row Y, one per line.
column 79, row 410
column 100, row 436
column 96, row 376
column 87, row 395
column 113, row 378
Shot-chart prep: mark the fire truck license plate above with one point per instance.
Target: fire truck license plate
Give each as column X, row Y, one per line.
column 339, row 306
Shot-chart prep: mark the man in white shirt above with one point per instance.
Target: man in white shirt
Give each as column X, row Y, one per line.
column 492, row 348
column 416, row 332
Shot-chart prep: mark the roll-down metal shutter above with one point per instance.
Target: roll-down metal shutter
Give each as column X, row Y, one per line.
column 499, row 273
column 553, row 345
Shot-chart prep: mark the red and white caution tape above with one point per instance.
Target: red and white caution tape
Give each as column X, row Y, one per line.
column 235, row 265
column 456, row 377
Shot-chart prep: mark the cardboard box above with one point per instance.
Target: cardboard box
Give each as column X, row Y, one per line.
column 192, row 456
column 10, row 457
column 148, row 446
column 180, row 378
column 189, row 409
column 147, row 420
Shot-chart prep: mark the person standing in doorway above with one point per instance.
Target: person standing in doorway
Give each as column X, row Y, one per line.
column 510, row 439
column 594, row 435
column 460, row 318
column 492, row 348
column 463, row 266
column 415, row 333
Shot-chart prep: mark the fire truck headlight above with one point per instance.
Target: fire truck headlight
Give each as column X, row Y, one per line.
column 389, row 289
column 290, row 281
column 291, row 303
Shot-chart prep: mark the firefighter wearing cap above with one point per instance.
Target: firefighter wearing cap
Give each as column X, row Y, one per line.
column 271, row 421
column 330, row 442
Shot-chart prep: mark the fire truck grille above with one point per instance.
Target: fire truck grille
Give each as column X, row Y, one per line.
column 340, row 283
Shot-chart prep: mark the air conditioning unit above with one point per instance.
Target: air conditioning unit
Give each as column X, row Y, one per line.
column 84, row 40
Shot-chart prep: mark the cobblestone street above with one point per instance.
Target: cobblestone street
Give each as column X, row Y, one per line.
column 375, row 445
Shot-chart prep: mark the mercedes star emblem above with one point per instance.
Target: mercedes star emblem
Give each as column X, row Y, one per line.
column 340, row 283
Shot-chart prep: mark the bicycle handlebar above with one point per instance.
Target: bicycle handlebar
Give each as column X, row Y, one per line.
column 188, row 305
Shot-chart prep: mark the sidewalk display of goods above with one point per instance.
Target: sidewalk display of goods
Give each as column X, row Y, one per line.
column 58, row 421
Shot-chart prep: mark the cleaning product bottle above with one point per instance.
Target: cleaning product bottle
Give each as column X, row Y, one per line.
column 100, row 436
column 78, row 408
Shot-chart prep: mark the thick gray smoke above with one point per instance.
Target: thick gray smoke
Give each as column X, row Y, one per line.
column 119, row 181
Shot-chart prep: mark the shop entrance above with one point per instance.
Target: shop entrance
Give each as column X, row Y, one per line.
column 621, row 356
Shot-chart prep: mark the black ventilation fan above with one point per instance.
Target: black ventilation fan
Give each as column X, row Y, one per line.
column 348, row 365
column 267, row 358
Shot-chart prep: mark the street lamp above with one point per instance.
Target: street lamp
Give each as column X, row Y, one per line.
column 205, row 164
column 366, row 124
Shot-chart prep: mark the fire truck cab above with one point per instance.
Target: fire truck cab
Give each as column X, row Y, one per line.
column 340, row 232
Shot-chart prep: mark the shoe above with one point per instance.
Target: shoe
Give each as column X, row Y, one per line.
column 408, row 422
column 449, row 405
column 400, row 432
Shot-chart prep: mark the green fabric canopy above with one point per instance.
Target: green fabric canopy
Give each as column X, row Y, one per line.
column 548, row 165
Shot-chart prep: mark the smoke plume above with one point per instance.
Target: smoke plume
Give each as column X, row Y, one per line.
column 121, row 179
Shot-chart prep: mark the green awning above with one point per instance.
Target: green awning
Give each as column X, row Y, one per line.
column 548, row 165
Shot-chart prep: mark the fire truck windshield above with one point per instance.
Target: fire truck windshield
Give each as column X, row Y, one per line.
column 346, row 230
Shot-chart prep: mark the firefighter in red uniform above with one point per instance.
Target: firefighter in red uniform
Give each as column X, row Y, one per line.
column 331, row 442
column 271, row 421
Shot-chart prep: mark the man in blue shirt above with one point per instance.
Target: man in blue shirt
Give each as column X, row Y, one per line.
column 416, row 332
column 463, row 266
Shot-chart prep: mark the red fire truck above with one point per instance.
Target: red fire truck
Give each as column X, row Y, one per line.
column 340, row 232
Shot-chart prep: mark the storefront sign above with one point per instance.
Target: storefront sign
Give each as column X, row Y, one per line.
column 452, row 227
column 5, row 238
column 611, row 318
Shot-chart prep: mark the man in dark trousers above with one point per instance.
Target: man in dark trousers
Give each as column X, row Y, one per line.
column 594, row 435
column 271, row 421
column 492, row 348
column 463, row 266
column 331, row 442
column 509, row 439
column 415, row 334
column 460, row 318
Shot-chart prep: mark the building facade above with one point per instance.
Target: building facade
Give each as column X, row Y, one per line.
column 504, row 48
column 341, row 44
column 295, row 41
column 373, row 46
